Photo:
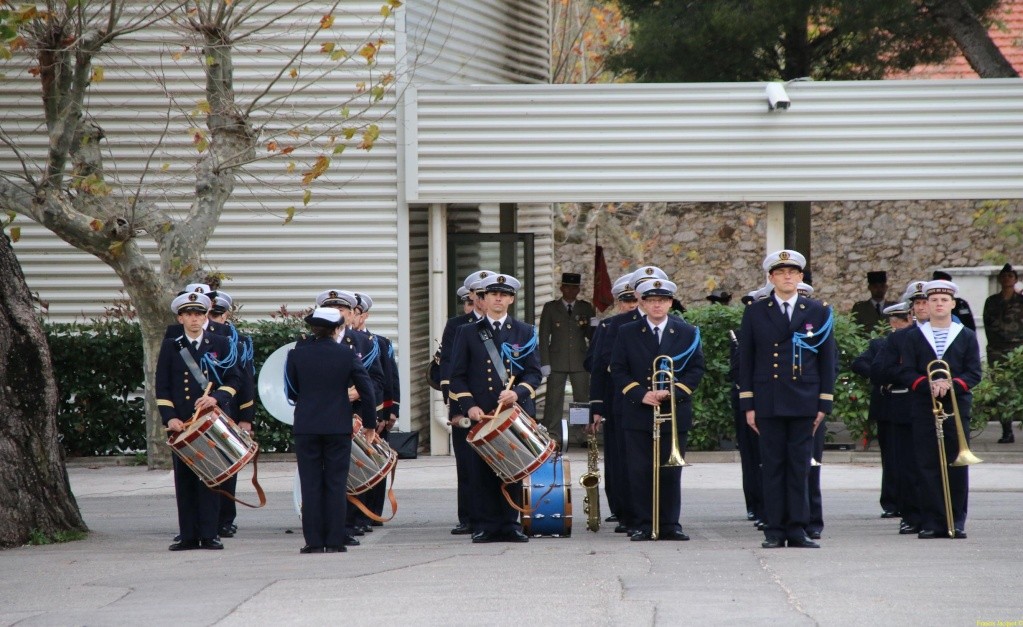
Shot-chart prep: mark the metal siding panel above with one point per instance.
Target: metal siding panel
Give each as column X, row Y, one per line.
column 419, row 318
column 717, row 142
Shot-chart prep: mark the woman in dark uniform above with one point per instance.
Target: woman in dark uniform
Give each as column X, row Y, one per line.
column 319, row 372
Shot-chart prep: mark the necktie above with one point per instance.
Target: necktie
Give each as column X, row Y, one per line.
column 497, row 327
column 570, row 309
column 785, row 307
column 878, row 308
column 657, row 335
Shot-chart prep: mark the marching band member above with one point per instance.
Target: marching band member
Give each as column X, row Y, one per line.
column 952, row 342
column 243, row 406
column 183, row 365
column 465, row 296
column 786, row 387
column 602, row 399
column 480, row 380
column 459, row 431
column 636, row 346
column 895, row 402
column 319, row 372
column 212, row 326
column 746, row 438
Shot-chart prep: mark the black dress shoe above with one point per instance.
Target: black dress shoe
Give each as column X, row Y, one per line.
column 621, row 528
column 678, row 536
column 927, row 534
column 184, row 545
column 906, row 530
column 375, row 523
column 760, row 525
column 461, row 530
column 226, row 532
column 641, row 536
column 751, row 516
column 213, row 544
column 813, row 535
column 772, row 544
column 889, row 513
column 482, row 537
column 351, row 541
column 355, row 531
column 366, row 528
column 1007, row 439
column 177, row 538
column 611, row 518
column 311, row 549
column 960, row 534
column 515, row 536
column 803, row 543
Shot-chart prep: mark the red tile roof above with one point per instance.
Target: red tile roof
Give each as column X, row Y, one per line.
column 1007, row 33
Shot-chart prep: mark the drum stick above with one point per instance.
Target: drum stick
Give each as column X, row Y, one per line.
column 500, row 406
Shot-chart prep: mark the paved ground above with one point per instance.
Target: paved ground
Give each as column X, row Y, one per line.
column 412, row 571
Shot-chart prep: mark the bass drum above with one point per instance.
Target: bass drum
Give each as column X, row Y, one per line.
column 547, row 500
column 270, row 386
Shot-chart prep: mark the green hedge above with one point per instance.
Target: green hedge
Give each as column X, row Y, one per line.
column 98, row 367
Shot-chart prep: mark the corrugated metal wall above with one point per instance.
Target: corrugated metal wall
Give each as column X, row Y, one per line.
column 717, row 142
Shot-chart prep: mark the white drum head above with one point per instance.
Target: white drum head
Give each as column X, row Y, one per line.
column 271, row 386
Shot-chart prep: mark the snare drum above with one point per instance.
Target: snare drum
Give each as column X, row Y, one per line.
column 547, row 497
column 213, row 446
column 371, row 462
column 511, row 444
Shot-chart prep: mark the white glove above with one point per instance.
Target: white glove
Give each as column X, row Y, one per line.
column 545, row 371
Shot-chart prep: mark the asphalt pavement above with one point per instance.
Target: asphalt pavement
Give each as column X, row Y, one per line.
column 412, row 571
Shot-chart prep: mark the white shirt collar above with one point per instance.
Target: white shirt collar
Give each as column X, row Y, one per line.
column 193, row 339
column 791, row 301
column 661, row 326
column 501, row 320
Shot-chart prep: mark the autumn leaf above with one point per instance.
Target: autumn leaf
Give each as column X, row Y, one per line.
column 271, row 146
column 338, row 55
column 378, row 93
column 326, row 21
column 291, row 167
column 293, row 73
column 369, row 137
column 116, row 249
column 203, row 106
column 348, row 132
column 288, row 150
column 339, row 149
column 200, row 141
column 327, row 47
column 96, row 225
column 177, row 56
column 321, row 165
column 368, row 52
column 289, row 215
column 34, row 70
column 307, row 195
column 165, row 167
column 15, row 232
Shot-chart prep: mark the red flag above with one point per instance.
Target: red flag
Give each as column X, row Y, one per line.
column 602, row 298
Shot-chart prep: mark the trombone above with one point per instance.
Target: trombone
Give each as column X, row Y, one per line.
column 663, row 379
column 937, row 370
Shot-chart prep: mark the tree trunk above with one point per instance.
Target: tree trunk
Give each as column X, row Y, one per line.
column 972, row 38
column 35, row 496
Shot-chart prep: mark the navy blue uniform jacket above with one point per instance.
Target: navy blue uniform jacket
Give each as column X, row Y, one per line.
column 473, row 379
column 632, row 369
column 769, row 382
column 319, row 373
column 176, row 388
column 601, row 387
column 962, row 354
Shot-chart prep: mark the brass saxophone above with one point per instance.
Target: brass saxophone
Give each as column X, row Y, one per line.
column 591, row 481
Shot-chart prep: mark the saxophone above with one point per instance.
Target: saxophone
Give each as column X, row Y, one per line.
column 591, row 481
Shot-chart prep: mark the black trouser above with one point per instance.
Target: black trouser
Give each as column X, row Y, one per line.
column 907, row 475
column 198, row 506
column 786, row 444
column 463, row 473
column 228, row 508
column 931, row 492
column 612, row 489
column 889, row 485
column 323, row 462
column 640, row 451
column 490, row 510
column 749, row 460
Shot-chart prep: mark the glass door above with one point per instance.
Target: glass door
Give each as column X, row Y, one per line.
column 507, row 253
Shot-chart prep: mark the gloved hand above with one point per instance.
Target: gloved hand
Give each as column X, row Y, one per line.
column 545, row 371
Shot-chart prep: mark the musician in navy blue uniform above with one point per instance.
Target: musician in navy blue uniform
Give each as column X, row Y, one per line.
column 632, row 368
column 952, row 342
column 477, row 388
column 319, row 373
column 459, row 423
column 746, row 438
column 786, row 388
column 243, row 407
column 895, row 404
column 387, row 415
column 178, row 396
column 212, row 326
column 602, row 400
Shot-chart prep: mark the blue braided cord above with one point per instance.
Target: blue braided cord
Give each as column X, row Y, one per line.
column 390, row 351
column 212, row 365
column 249, row 354
column 371, row 357
column 799, row 340
column 685, row 355
column 507, row 351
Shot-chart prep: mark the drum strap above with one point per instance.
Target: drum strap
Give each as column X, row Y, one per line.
column 354, row 500
column 487, row 335
column 193, row 367
column 255, row 484
column 525, row 510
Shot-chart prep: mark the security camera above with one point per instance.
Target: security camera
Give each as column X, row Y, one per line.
column 776, row 97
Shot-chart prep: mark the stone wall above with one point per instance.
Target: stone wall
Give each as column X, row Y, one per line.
column 706, row 246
